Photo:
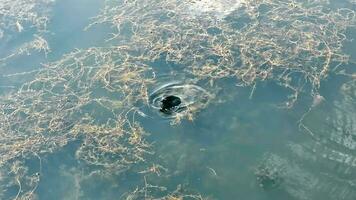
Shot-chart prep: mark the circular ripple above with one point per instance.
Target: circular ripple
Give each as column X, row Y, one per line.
column 176, row 98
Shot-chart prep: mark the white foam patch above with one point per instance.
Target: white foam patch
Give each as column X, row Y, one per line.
column 220, row 8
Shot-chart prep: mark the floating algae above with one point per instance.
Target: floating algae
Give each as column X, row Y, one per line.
column 296, row 44
column 149, row 191
column 18, row 16
column 61, row 104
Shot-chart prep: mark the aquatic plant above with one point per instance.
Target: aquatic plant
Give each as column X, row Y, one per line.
column 294, row 43
column 150, row 191
column 63, row 103
column 18, row 16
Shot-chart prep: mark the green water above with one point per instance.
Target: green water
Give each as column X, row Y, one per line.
column 245, row 144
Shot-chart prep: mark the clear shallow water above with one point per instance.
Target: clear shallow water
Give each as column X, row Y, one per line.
column 243, row 145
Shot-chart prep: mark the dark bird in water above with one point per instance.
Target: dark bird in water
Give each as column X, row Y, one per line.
column 169, row 103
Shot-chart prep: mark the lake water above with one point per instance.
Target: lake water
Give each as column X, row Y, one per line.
column 266, row 109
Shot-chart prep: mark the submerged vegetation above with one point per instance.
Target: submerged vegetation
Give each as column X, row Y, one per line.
column 18, row 17
column 295, row 43
column 93, row 96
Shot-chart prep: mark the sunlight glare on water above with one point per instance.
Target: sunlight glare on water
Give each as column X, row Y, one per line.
column 220, row 8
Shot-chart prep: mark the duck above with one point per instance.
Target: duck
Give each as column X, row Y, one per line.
column 168, row 103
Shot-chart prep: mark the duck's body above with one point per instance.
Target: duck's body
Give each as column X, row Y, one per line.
column 169, row 103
